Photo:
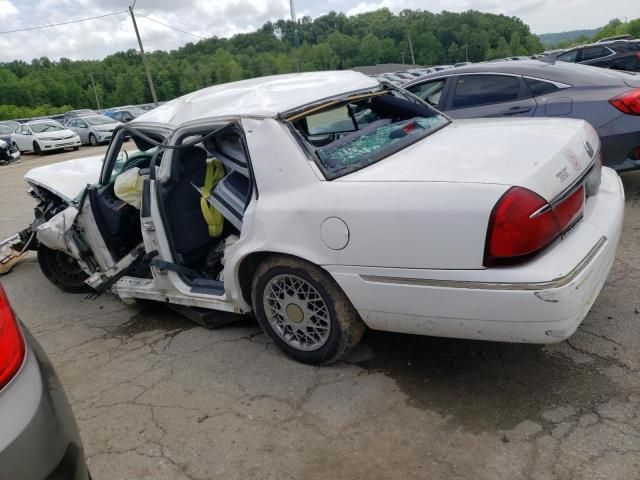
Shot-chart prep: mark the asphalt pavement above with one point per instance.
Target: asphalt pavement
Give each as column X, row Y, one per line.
column 157, row 397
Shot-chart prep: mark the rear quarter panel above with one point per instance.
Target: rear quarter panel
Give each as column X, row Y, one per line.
column 390, row 224
column 587, row 103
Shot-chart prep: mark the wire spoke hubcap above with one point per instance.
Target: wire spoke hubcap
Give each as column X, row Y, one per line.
column 297, row 312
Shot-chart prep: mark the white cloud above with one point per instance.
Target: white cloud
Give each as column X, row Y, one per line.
column 223, row 18
column 7, row 9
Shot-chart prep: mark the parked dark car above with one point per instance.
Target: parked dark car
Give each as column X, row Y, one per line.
column 615, row 54
column 609, row 100
column 9, row 152
column 124, row 114
column 38, row 435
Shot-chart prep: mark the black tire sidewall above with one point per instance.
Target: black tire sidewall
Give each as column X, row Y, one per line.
column 329, row 349
column 45, row 256
column 36, row 148
column 93, row 141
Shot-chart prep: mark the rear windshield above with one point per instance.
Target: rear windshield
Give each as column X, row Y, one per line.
column 350, row 136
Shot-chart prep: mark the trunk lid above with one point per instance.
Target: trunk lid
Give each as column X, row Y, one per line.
column 544, row 155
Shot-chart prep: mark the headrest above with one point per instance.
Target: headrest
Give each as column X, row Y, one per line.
column 191, row 158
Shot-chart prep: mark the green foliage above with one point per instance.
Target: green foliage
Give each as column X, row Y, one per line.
column 332, row 41
column 613, row 28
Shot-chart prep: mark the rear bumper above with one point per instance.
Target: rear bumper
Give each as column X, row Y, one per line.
column 516, row 304
column 39, row 438
column 618, row 140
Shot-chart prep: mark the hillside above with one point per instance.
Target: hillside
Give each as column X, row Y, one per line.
column 332, row 41
column 549, row 39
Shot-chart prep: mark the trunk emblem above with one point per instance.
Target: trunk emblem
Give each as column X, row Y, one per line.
column 588, row 148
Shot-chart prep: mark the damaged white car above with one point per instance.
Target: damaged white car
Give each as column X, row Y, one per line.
column 327, row 202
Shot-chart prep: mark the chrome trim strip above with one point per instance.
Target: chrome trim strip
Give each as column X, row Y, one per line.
column 560, row 85
column 556, row 283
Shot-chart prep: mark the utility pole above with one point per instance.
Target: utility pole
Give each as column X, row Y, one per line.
column 413, row 58
column 466, row 52
column 144, row 58
column 95, row 92
column 295, row 33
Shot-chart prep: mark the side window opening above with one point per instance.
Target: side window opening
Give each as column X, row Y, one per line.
column 348, row 136
column 476, row 90
column 568, row 56
column 540, row 87
column 430, row 92
column 593, row 53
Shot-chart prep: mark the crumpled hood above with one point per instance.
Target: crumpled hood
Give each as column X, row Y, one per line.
column 544, row 155
column 67, row 179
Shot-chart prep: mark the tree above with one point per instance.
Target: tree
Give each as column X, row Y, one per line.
column 331, row 41
column 370, row 50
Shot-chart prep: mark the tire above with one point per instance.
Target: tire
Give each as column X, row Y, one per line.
column 75, row 149
column 93, row 140
column 15, row 145
column 62, row 270
column 280, row 279
column 36, row 149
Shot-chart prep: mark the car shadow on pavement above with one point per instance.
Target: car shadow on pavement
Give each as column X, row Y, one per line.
column 484, row 386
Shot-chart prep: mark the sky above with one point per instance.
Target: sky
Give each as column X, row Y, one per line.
column 97, row 38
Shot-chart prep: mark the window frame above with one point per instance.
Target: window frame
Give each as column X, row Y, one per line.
column 576, row 59
column 313, row 157
column 559, row 85
column 523, row 90
column 445, row 90
column 611, row 52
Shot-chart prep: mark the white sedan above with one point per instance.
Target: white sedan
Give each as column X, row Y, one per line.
column 42, row 136
column 327, row 202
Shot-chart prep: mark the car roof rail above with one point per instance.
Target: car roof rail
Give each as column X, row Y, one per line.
column 616, row 37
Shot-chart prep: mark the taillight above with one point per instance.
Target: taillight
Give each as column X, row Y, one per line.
column 523, row 223
column 628, row 103
column 12, row 348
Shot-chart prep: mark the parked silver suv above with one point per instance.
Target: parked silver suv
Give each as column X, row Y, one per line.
column 38, row 435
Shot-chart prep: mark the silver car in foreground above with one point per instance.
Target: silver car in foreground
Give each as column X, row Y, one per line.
column 38, row 435
column 93, row 129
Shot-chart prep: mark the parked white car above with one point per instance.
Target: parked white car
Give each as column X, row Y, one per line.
column 42, row 136
column 347, row 204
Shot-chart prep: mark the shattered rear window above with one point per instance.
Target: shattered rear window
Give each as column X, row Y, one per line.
column 364, row 147
column 353, row 135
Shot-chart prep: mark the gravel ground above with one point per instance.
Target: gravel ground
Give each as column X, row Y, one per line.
column 158, row 397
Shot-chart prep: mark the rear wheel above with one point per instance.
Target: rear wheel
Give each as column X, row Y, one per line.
column 62, row 270
column 304, row 311
column 93, row 140
column 36, row 149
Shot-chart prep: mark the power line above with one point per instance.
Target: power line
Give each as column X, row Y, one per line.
column 62, row 23
column 169, row 26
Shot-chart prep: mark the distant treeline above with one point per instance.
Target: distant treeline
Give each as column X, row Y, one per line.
column 332, row 41
column 613, row 28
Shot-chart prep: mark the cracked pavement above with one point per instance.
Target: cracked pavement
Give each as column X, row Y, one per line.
column 157, row 396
